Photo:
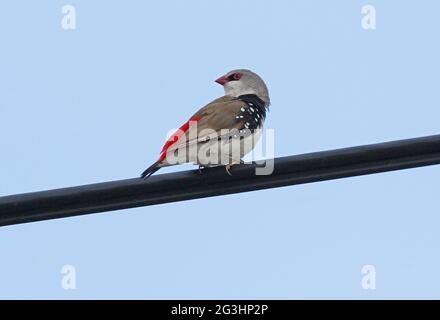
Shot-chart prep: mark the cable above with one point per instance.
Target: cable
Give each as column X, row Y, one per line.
column 186, row 185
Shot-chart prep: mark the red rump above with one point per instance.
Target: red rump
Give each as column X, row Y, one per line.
column 176, row 136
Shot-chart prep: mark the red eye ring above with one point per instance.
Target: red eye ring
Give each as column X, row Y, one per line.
column 237, row 76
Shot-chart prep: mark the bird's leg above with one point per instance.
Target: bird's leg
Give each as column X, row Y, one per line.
column 227, row 167
column 201, row 168
column 230, row 164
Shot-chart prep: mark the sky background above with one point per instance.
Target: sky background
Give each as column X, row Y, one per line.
column 94, row 104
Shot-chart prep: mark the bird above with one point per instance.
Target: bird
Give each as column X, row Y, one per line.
column 223, row 131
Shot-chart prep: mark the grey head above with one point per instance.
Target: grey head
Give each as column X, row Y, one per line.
column 242, row 81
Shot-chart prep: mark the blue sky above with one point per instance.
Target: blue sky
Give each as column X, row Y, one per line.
column 94, row 104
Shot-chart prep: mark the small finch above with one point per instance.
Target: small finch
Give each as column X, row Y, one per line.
column 222, row 132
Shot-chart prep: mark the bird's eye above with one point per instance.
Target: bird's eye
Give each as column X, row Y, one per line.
column 234, row 77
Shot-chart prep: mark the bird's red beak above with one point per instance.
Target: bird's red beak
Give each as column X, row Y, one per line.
column 222, row 80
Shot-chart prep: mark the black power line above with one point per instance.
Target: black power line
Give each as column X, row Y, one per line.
column 305, row 168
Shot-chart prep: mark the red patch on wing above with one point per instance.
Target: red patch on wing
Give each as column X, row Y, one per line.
column 176, row 136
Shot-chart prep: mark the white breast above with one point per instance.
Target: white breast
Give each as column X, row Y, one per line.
column 227, row 151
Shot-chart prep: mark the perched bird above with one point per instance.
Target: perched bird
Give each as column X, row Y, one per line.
column 223, row 131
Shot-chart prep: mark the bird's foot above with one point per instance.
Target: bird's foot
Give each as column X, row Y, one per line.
column 229, row 166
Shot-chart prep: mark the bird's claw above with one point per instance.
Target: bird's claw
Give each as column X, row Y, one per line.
column 228, row 167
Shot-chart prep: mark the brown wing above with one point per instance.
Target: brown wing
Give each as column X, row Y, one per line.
column 217, row 115
column 220, row 114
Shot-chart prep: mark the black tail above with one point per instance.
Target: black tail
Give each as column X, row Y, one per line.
column 152, row 169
